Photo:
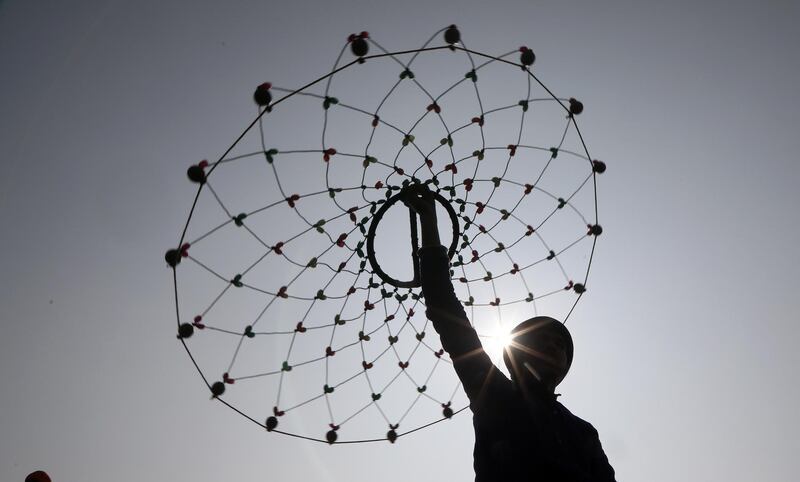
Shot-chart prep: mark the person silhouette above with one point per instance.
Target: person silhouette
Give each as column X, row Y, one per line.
column 38, row 476
column 522, row 433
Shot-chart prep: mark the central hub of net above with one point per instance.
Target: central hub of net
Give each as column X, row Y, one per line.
column 373, row 231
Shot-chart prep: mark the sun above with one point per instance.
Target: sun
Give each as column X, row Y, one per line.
column 495, row 342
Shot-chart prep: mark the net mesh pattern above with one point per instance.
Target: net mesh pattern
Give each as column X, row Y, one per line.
column 279, row 306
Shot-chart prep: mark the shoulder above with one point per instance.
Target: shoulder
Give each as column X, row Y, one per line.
column 578, row 423
column 496, row 395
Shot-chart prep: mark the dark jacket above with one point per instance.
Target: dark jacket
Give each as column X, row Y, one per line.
column 520, row 435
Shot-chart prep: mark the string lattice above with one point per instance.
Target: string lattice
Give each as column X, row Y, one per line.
column 296, row 284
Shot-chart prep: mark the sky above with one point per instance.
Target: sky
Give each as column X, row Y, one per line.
column 685, row 358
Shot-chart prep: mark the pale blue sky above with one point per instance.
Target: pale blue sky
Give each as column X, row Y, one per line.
column 685, row 357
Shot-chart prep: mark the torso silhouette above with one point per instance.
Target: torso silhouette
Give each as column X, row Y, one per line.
column 521, row 433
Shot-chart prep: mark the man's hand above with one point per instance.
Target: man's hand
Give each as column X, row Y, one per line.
column 420, row 199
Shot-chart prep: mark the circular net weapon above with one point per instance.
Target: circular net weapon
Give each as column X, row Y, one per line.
column 297, row 284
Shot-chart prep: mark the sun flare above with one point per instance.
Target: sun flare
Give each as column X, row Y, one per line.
column 495, row 342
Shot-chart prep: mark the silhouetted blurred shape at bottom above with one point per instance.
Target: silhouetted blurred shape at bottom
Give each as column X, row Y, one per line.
column 38, row 476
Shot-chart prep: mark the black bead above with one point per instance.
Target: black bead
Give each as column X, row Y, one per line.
column 272, row 422
column 196, row 174
column 331, row 436
column 217, row 389
column 391, row 435
column 599, row 166
column 452, row 35
column 173, row 257
column 359, row 47
column 185, row 330
column 575, row 106
column 262, row 96
column 447, row 412
column 527, row 57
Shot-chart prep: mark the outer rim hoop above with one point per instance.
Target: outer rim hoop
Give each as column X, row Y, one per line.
column 373, row 228
column 301, row 89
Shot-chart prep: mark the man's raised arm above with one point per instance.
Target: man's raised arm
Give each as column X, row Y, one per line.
column 459, row 339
